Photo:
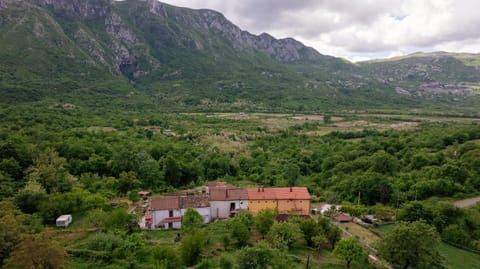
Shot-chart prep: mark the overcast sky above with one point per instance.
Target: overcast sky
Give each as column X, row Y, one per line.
column 358, row 29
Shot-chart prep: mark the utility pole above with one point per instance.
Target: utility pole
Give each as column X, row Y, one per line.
column 358, row 203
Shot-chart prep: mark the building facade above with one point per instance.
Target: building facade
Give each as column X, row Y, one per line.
column 290, row 200
column 167, row 212
column 226, row 201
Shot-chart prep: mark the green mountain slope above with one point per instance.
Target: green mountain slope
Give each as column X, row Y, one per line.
column 146, row 54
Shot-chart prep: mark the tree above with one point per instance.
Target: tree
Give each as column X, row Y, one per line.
column 191, row 220
column 49, row 171
column 192, row 246
column 331, row 232
column 349, row 250
column 414, row 211
column 225, row 262
column 29, row 198
column 455, row 234
column 172, row 170
column 127, row 182
column 310, row 229
column 37, row 251
column 412, row 245
column 283, row 234
column 7, row 185
column 120, row 219
column 11, row 226
column 264, row 221
column 239, row 231
column 245, row 217
column 258, row 257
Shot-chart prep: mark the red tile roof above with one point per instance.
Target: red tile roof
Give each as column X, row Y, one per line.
column 164, row 203
column 342, row 217
column 174, row 202
column 227, row 194
column 194, row 201
column 143, row 193
column 288, row 193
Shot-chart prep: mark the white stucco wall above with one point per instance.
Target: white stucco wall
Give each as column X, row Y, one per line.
column 159, row 215
column 221, row 209
column 203, row 211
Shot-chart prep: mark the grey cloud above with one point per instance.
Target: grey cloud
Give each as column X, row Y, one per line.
column 309, row 20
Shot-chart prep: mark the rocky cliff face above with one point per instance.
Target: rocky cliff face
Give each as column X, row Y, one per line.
column 209, row 21
column 127, row 35
column 88, row 9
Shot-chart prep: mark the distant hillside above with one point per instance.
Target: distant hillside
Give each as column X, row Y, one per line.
column 428, row 73
column 146, row 54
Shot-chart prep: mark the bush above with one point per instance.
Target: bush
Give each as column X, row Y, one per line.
column 225, row 263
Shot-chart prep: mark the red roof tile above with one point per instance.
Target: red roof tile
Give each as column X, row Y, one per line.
column 227, row 194
column 164, row 203
column 174, row 202
column 194, row 201
column 288, row 193
column 341, row 217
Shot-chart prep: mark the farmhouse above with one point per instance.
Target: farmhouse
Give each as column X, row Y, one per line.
column 226, row 200
column 220, row 201
column 167, row 212
column 290, row 200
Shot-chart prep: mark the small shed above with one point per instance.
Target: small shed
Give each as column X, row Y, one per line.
column 64, row 220
column 342, row 217
column 143, row 194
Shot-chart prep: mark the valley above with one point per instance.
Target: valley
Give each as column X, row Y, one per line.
column 107, row 105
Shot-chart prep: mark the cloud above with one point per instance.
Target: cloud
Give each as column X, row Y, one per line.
column 358, row 29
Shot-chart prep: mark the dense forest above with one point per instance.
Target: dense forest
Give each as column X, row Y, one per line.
column 92, row 164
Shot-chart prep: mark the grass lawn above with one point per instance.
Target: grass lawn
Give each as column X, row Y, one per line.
column 456, row 258
column 459, row 258
column 364, row 234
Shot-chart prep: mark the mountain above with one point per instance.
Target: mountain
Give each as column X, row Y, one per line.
column 427, row 73
column 147, row 54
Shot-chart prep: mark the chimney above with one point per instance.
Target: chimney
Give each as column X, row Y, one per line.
column 290, row 188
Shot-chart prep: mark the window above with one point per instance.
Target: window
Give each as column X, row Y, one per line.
column 170, row 213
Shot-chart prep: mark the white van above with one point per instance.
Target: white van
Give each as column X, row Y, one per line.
column 64, row 220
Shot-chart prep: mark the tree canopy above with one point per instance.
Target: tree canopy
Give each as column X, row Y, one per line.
column 412, row 244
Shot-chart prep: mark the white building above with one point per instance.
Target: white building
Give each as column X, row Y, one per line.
column 226, row 200
column 167, row 212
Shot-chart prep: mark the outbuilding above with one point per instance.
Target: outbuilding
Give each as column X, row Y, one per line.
column 342, row 217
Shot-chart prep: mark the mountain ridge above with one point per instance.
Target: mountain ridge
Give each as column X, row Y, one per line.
column 154, row 51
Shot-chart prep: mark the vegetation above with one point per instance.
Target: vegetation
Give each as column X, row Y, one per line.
column 412, row 244
column 349, row 250
column 83, row 129
column 56, row 161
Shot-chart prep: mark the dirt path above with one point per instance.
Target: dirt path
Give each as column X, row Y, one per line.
column 467, row 202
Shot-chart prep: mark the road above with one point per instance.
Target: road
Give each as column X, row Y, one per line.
column 467, row 202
